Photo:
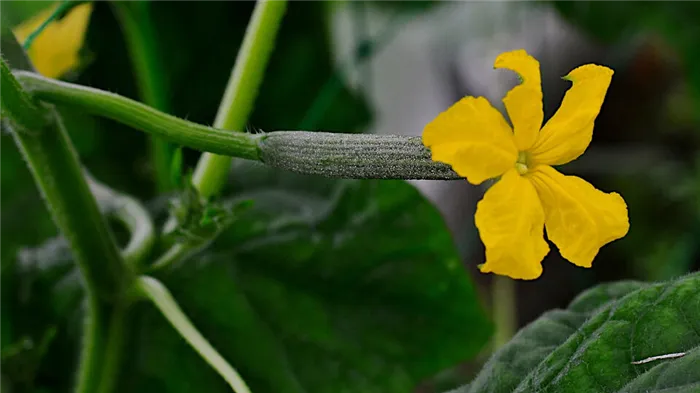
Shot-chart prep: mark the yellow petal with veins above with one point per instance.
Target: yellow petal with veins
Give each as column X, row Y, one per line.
column 523, row 102
column 579, row 218
column 55, row 50
column 510, row 220
column 568, row 133
column 472, row 137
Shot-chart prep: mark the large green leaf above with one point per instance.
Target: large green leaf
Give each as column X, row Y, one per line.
column 357, row 289
column 361, row 292
column 591, row 346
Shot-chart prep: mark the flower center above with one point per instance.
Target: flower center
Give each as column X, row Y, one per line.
column 521, row 164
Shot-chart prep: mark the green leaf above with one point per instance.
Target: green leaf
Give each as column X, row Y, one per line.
column 361, row 291
column 591, row 346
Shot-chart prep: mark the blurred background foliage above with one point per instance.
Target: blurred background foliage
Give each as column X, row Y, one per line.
column 666, row 201
column 652, row 107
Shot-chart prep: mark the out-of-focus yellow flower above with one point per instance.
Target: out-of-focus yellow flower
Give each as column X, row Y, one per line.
column 55, row 50
column 475, row 139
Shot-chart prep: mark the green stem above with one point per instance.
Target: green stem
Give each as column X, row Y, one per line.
column 242, row 89
column 174, row 254
column 159, row 295
column 58, row 174
column 504, row 309
column 141, row 117
column 19, row 106
column 142, row 45
column 39, row 133
column 360, row 156
column 133, row 215
column 93, row 345
column 104, row 336
column 113, row 348
column 103, row 345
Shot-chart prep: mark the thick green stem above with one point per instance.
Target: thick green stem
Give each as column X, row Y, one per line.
column 70, row 204
column 104, row 335
column 93, row 345
column 18, row 106
column 39, row 133
column 113, row 349
column 141, row 117
column 159, row 295
column 58, row 174
column 142, row 45
column 504, row 309
column 358, row 156
column 242, row 89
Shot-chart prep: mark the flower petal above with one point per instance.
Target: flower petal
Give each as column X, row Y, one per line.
column 55, row 50
column 510, row 220
column 579, row 218
column 472, row 137
column 523, row 102
column 568, row 133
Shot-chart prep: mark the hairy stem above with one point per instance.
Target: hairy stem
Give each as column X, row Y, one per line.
column 242, row 89
column 39, row 133
column 142, row 46
column 58, row 174
column 18, row 106
column 159, row 295
column 142, row 117
column 357, row 156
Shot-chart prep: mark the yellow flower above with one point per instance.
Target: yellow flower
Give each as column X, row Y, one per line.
column 55, row 50
column 475, row 139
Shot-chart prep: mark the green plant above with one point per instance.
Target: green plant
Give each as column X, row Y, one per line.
column 621, row 337
column 251, row 259
column 289, row 285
